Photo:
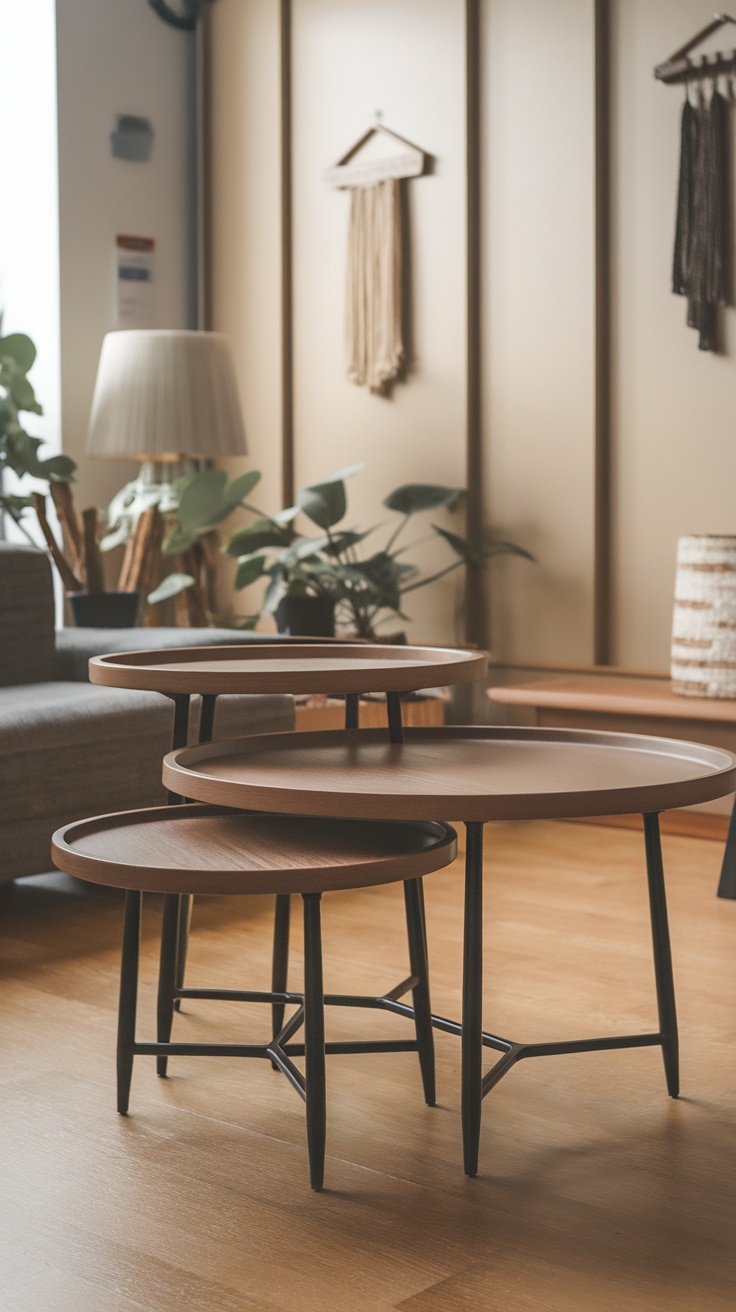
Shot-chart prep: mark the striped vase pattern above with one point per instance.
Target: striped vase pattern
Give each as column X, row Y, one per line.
column 704, row 620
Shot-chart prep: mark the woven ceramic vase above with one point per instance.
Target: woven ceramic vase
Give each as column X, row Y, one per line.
column 704, row 620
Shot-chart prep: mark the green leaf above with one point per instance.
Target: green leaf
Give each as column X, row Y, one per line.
column 203, row 501
column 349, row 472
column 116, row 538
column 411, row 498
column 19, row 348
column 240, row 488
column 14, row 505
column 58, row 469
column 274, row 592
column 324, row 503
column 179, row 542
column 286, row 516
column 343, row 541
column 258, row 535
column 249, row 570
column 505, row 549
column 170, row 587
column 460, row 545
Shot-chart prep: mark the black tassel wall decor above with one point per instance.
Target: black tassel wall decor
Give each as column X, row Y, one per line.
column 699, row 266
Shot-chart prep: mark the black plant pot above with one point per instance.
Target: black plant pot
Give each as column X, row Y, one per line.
column 104, row 610
column 306, row 617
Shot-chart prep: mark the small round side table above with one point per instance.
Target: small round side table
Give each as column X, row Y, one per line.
column 200, row 849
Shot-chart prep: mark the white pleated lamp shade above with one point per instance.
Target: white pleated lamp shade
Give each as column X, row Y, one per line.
column 166, row 394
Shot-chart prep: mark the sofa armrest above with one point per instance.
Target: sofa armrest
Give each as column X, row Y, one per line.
column 75, row 647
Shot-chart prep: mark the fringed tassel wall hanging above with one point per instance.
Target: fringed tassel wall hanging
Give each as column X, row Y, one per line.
column 375, row 312
column 700, row 262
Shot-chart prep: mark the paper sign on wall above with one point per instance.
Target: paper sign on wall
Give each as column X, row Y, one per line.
column 134, row 259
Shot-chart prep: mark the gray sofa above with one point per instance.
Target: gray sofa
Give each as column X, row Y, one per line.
column 69, row 749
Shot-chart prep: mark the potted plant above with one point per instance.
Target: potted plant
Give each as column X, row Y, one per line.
column 332, row 573
column 19, row 452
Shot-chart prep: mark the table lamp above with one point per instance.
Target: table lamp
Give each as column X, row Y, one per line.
column 167, row 398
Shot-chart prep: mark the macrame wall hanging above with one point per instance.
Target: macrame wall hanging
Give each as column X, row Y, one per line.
column 374, row 169
column 700, row 265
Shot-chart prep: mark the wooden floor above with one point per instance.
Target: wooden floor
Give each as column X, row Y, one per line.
column 595, row 1192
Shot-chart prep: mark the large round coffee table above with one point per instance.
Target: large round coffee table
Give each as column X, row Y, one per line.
column 477, row 775
column 286, row 666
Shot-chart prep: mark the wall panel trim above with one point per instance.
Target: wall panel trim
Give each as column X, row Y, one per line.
column 475, row 625
column 287, row 261
column 603, row 339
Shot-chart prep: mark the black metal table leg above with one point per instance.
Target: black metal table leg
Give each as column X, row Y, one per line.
column 662, row 954
column 727, row 881
column 420, row 993
column 167, row 974
column 280, row 961
column 395, row 722
column 352, row 710
column 128, row 997
column 206, row 728
column 472, row 1019
column 314, row 1040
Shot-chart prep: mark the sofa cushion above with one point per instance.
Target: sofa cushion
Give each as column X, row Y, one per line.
column 26, row 615
column 74, row 749
column 74, row 647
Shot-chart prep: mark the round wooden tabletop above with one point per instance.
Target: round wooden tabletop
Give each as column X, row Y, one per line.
column 289, row 667
column 204, row 849
column 455, row 773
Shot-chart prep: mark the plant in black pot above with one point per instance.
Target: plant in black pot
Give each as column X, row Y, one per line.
column 332, row 575
column 81, row 574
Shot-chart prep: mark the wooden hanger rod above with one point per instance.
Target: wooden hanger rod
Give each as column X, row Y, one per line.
column 678, row 68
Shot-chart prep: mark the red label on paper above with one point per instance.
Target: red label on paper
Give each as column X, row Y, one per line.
column 134, row 243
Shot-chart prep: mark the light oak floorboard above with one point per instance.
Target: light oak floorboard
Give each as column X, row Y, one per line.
column 596, row 1191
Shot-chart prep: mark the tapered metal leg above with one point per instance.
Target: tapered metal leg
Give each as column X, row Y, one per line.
column 128, row 997
column 727, row 882
column 420, row 994
column 395, row 722
column 314, row 1040
column 352, row 710
column 183, row 926
column 206, row 728
column 280, row 963
column 472, row 1021
column 662, row 955
column 207, row 717
column 167, row 974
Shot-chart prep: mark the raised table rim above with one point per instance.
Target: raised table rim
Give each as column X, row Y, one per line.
column 114, row 873
column 405, row 669
column 716, row 777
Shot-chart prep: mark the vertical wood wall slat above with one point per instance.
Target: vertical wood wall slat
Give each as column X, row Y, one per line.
column 475, row 626
column 287, row 298
column 603, row 344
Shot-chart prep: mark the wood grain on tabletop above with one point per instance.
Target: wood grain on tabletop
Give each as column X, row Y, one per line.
column 198, row 849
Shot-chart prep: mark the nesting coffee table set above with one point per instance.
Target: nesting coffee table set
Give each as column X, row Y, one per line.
column 309, row 813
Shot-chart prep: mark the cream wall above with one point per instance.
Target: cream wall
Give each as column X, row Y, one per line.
column 673, row 456
column 674, row 406
column 538, row 330
column 116, row 56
